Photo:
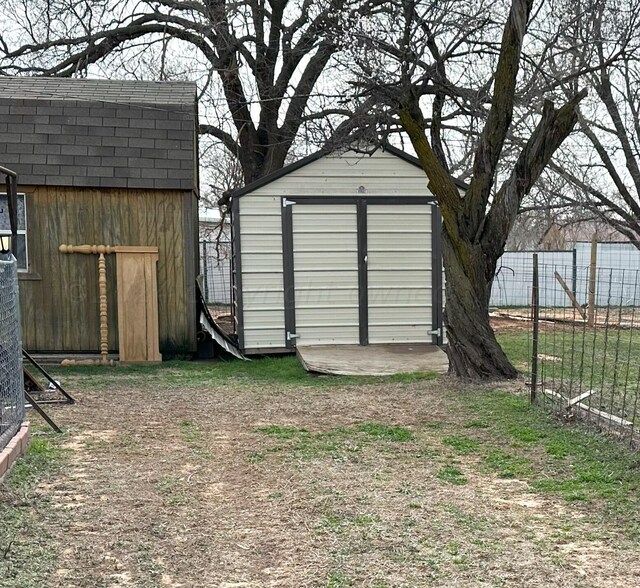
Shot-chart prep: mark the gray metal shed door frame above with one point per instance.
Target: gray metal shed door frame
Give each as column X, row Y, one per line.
column 361, row 204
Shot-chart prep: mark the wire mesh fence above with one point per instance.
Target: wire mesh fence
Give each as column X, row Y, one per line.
column 579, row 341
column 11, row 383
column 215, row 267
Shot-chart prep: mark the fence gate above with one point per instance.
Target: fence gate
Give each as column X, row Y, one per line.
column 11, row 382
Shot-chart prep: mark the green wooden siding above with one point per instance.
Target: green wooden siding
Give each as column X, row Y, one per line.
column 59, row 294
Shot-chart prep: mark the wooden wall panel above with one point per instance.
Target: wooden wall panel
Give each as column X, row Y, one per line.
column 59, row 295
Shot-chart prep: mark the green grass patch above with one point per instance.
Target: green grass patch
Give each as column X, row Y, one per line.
column 571, row 460
column 508, row 465
column 40, row 459
column 277, row 370
column 343, row 443
column 452, row 475
column 461, row 444
column 598, row 356
column 282, row 432
column 476, row 424
column 338, row 579
column 195, row 439
column 386, row 432
column 26, row 552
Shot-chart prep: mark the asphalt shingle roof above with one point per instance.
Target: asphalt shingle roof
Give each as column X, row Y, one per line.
column 116, row 91
column 99, row 133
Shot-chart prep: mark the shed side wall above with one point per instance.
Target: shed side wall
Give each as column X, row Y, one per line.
column 262, row 272
column 59, row 294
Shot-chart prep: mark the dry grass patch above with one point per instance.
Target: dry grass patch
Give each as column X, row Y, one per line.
column 190, row 479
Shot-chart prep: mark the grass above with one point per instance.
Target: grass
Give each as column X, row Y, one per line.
column 414, row 483
column 452, row 474
column 285, row 370
column 573, row 362
column 461, row 444
column 342, row 443
column 568, row 460
column 26, row 554
column 598, row 356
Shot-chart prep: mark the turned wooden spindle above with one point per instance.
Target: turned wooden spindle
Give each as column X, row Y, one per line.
column 87, row 249
column 100, row 250
column 104, row 325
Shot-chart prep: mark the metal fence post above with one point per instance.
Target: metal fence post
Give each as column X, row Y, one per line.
column 592, row 282
column 574, row 272
column 535, row 315
column 205, row 271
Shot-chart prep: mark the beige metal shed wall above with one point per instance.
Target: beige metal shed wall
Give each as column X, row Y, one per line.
column 262, row 283
column 347, row 174
column 380, row 174
column 399, row 273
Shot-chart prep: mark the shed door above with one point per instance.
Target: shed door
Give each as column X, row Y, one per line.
column 325, row 272
column 399, row 249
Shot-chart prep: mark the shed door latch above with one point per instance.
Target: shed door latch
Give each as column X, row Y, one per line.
column 437, row 332
column 286, row 202
column 291, row 336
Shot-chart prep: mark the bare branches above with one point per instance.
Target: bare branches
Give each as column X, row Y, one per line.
column 500, row 114
column 266, row 59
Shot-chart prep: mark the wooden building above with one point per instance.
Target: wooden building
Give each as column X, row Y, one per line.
column 101, row 162
column 340, row 248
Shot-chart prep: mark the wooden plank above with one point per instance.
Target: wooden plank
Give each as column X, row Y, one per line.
column 580, row 397
column 151, row 291
column 138, row 309
column 570, row 295
column 601, row 413
column 374, row 359
column 605, row 415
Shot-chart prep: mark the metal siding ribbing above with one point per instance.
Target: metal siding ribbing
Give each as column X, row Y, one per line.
column 399, row 271
column 262, row 280
column 325, row 266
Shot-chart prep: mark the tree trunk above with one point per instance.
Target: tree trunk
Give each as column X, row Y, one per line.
column 472, row 347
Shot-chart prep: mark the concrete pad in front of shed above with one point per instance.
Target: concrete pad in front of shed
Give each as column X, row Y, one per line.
column 373, row 360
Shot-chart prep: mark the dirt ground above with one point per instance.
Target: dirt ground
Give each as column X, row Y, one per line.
column 246, row 484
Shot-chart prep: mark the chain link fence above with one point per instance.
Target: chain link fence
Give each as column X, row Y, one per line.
column 11, row 382
column 215, row 267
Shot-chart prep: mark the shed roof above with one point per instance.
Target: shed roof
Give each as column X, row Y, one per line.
column 114, row 91
column 323, row 153
column 99, row 133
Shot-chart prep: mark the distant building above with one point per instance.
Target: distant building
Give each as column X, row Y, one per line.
column 566, row 236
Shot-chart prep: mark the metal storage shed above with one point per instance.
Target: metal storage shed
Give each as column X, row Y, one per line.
column 338, row 248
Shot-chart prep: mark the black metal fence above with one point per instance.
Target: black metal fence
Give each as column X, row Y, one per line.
column 11, row 382
column 579, row 341
column 215, row 267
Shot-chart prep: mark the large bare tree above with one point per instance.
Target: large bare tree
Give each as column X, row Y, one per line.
column 261, row 62
column 475, row 74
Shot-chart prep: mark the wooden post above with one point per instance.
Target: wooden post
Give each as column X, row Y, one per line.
column 535, row 315
column 592, row 282
column 104, row 322
column 100, row 250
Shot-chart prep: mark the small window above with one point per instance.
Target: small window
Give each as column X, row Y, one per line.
column 5, row 228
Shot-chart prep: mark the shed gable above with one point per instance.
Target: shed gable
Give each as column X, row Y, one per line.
column 348, row 174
